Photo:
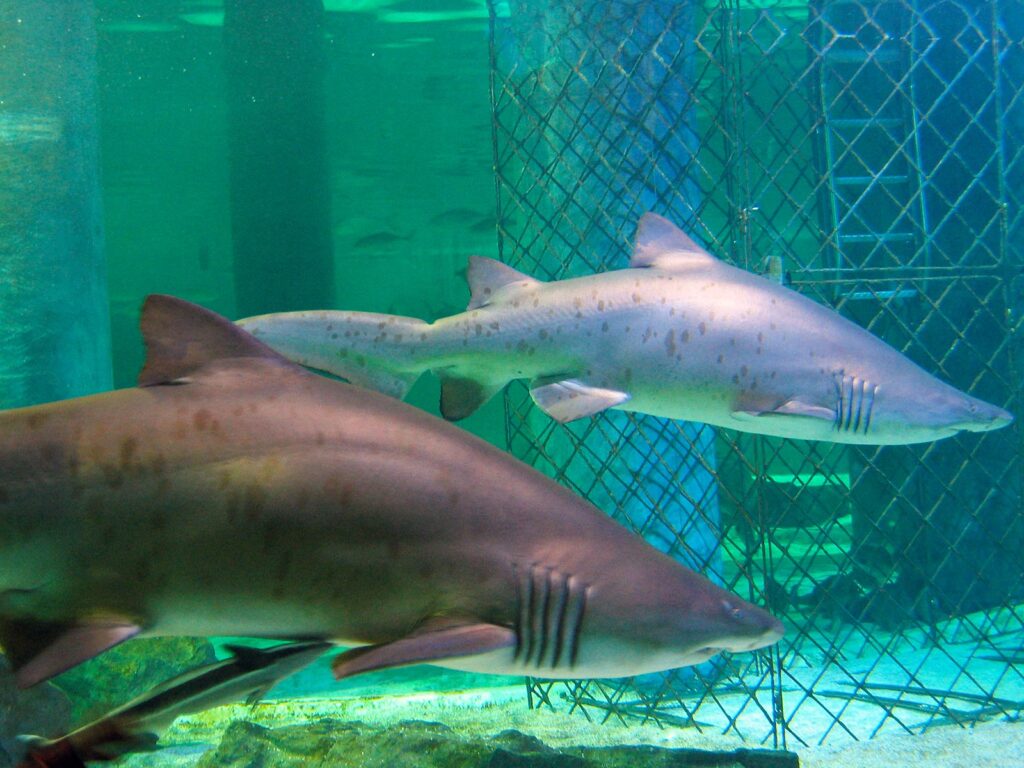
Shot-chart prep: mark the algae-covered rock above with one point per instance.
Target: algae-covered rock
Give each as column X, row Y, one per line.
column 414, row 744
column 128, row 670
column 340, row 745
column 42, row 710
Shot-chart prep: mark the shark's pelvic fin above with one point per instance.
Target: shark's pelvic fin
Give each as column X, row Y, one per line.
column 794, row 407
column 486, row 277
column 570, row 399
column 660, row 243
column 461, row 397
column 182, row 337
column 435, row 641
column 39, row 650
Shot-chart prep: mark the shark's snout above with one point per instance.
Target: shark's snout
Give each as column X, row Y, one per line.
column 752, row 627
column 985, row 417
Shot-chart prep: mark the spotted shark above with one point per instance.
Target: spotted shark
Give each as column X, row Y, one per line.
column 679, row 334
column 232, row 492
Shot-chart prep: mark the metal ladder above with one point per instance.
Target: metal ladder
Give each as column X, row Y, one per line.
column 873, row 208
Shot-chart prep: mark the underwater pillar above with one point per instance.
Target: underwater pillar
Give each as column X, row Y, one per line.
column 280, row 194
column 53, row 289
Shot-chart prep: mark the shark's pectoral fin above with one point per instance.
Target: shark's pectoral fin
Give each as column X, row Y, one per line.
column 462, row 397
column 39, row 650
column 570, row 399
column 429, row 644
column 793, row 407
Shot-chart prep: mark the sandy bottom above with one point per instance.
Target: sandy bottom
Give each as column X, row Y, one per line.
column 485, row 712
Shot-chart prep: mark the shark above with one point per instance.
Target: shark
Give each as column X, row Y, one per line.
column 678, row 334
column 249, row 673
column 233, row 492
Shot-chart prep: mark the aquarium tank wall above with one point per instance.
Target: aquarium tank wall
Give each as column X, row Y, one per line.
column 266, row 156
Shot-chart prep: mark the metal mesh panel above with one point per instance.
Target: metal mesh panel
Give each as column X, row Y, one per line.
column 868, row 154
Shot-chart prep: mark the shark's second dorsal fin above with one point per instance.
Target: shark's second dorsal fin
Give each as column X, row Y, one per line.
column 660, row 243
column 182, row 337
column 487, row 276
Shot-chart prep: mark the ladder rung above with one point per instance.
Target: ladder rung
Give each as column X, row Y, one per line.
column 867, row 237
column 865, row 122
column 863, row 181
column 902, row 293
column 860, row 57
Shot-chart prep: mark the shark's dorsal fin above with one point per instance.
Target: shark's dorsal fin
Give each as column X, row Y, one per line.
column 488, row 276
column 660, row 243
column 182, row 337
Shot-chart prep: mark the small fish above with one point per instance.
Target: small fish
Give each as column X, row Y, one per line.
column 382, row 239
column 679, row 334
column 137, row 725
column 485, row 224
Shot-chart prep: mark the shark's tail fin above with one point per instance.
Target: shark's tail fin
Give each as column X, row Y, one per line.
column 371, row 350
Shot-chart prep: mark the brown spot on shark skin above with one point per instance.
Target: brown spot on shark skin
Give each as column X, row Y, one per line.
column 128, row 448
column 720, row 359
column 252, row 504
column 702, row 328
column 94, row 508
column 201, row 419
column 685, row 336
column 543, row 333
column 604, row 326
column 743, row 371
column 159, row 519
column 600, row 305
column 112, row 475
column 670, row 343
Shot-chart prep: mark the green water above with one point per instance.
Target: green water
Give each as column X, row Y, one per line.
column 409, row 162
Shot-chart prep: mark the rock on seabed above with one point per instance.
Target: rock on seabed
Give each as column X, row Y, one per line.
column 331, row 743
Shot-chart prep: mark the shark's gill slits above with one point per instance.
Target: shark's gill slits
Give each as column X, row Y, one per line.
column 855, row 399
column 551, row 606
column 524, row 625
column 561, row 608
column 838, row 378
column 860, row 401
column 520, row 620
column 578, row 594
column 544, row 577
column 869, row 393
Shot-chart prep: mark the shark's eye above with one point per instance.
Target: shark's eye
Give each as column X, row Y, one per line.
column 734, row 610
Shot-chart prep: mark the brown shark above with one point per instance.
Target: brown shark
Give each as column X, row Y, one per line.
column 234, row 493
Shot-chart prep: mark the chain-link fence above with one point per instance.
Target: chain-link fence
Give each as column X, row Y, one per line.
column 868, row 153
